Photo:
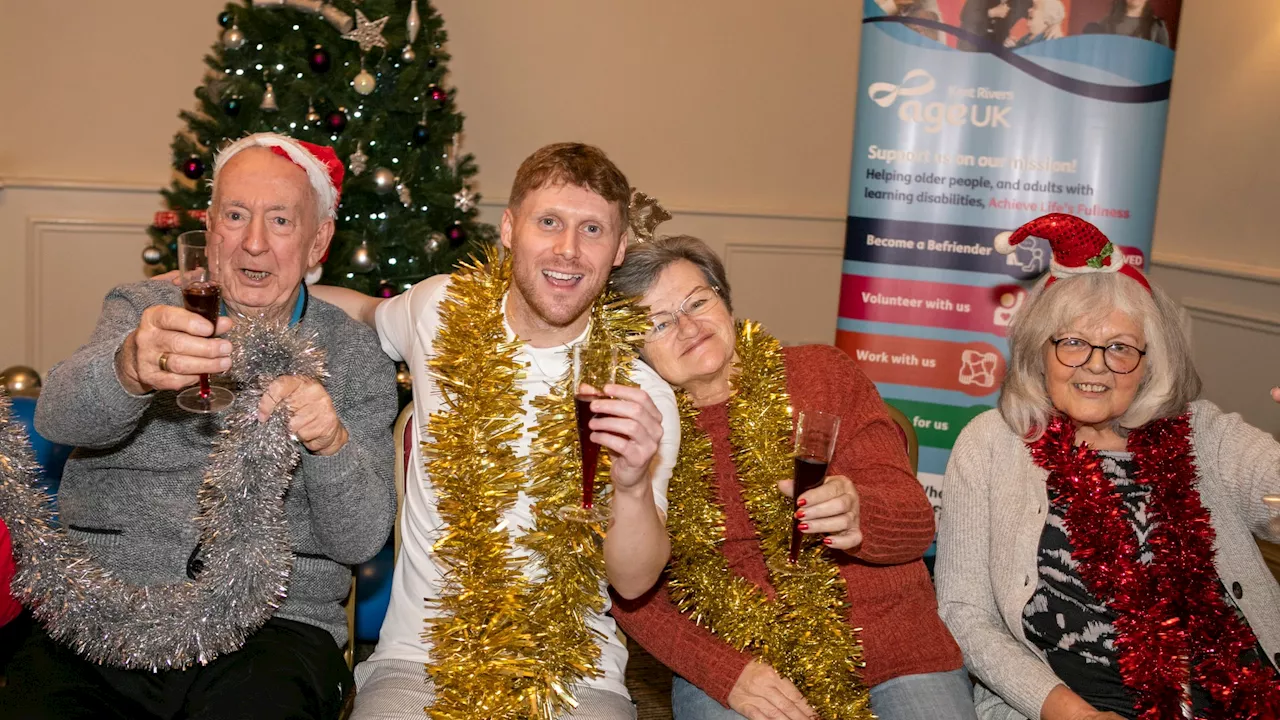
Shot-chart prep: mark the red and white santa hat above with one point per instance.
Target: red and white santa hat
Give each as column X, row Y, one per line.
column 324, row 169
column 1078, row 247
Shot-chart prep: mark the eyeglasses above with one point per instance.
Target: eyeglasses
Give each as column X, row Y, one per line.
column 698, row 302
column 1118, row 357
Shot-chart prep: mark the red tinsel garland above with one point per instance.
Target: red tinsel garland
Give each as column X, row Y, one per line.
column 1173, row 626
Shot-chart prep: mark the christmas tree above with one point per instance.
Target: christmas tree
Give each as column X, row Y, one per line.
column 367, row 78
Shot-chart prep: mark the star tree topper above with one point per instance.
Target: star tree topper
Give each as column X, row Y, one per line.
column 368, row 33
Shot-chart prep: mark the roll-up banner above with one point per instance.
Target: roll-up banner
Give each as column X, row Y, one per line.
column 973, row 117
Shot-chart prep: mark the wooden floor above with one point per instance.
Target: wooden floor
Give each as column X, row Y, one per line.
column 649, row 683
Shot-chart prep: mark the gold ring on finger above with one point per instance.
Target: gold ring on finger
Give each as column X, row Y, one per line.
column 163, row 362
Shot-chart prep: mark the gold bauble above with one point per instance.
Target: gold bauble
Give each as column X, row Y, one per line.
column 20, row 381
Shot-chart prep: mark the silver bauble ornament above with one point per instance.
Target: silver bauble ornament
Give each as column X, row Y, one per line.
column 412, row 23
column 20, row 381
column 151, row 255
column 233, row 38
column 384, row 181
column 269, row 100
column 362, row 259
column 408, row 55
column 434, row 242
column 364, row 82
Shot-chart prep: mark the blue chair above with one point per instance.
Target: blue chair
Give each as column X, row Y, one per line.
column 373, row 578
column 51, row 456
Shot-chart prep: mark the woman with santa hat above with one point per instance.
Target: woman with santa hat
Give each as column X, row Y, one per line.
column 1095, row 551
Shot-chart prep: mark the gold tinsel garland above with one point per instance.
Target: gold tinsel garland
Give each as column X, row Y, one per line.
column 803, row 633
column 506, row 647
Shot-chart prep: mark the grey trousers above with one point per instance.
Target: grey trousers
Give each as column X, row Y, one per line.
column 395, row 689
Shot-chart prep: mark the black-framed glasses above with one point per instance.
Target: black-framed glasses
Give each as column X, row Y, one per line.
column 1118, row 357
column 698, row 302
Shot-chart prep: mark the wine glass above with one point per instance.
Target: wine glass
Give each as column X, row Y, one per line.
column 815, row 443
column 201, row 294
column 588, row 450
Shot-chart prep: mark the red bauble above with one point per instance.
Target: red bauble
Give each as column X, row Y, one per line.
column 386, row 289
column 439, row 95
column 457, row 235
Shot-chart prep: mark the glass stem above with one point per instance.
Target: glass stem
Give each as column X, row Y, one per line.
column 204, row 387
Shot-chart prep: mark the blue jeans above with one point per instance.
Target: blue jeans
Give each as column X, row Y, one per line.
column 931, row 696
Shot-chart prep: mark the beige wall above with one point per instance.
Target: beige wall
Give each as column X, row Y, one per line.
column 737, row 114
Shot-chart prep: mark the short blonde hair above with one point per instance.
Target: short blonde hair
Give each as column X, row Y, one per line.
column 1169, row 382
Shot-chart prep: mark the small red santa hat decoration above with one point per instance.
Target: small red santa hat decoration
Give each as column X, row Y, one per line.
column 324, row 171
column 1078, row 247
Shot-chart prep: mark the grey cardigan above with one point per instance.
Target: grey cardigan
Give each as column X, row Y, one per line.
column 129, row 489
column 993, row 511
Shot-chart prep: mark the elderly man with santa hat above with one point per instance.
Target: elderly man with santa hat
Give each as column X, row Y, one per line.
column 129, row 491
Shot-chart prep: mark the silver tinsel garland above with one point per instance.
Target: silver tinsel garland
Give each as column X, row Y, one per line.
column 244, row 535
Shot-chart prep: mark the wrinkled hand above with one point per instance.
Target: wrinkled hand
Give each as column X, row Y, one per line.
column 999, row 11
column 762, row 694
column 629, row 426
column 314, row 423
column 832, row 508
column 183, row 339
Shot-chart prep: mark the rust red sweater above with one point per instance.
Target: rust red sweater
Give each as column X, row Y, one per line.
column 890, row 595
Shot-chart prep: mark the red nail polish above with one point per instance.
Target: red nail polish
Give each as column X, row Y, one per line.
column 826, row 541
column 804, row 526
column 799, row 514
column 801, row 502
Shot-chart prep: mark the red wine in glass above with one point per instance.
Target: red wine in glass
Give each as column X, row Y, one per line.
column 815, row 443
column 809, row 474
column 590, row 449
column 201, row 294
column 589, row 452
column 204, row 299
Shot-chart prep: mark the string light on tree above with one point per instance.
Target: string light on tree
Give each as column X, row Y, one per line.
column 293, row 71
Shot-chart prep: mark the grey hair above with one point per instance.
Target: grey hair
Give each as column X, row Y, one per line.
column 645, row 261
column 1169, row 380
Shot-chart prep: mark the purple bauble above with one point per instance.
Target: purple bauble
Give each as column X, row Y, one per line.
column 319, row 60
column 457, row 235
column 336, row 121
column 386, row 289
column 193, row 168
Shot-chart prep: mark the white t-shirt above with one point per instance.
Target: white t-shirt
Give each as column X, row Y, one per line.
column 407, row 326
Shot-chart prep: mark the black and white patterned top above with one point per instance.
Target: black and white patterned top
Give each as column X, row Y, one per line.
column 1064, row 619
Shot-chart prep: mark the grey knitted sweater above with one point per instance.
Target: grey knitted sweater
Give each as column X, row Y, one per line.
column 994, row 504
column 129, row 489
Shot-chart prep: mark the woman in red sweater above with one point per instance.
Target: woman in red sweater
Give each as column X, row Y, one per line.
column 850, row 629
